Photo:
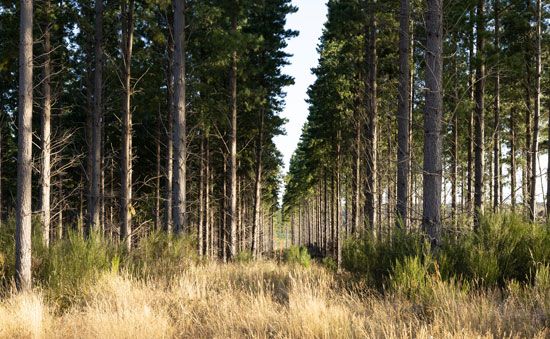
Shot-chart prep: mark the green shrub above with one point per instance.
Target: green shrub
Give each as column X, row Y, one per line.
column 161, row 254
column 73, row 261
column 244, row 257
column 410, row 277
column 297, row 255
column 330, row 264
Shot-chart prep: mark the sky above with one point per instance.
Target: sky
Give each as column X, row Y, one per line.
column 309, row 22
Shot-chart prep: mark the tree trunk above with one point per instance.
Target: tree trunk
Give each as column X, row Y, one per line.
column 61, row 208
column 168, row 220
column 179, row 212
column 403, row 151
column 232, row 180
column 356, row 206
column 513, row 173
column 24, row 154
column 95, row 157
column 371, row 124
column 46, row 131
column 480, row 114
column 158, row 173
column 202, row 184
column 207, row 224
column 536, row 117
column 258, row 187
column 496, row 135
column 471, row 78
column 126, row 175
column 433, row 112
column 454, row 146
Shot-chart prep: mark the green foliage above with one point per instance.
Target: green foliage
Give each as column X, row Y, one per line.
column 244, row 257
column 372, row 259
column 410, row 277
column 505, row 248
column 330, row 264
column 73, row 261
column 298, row 256
column 161, row 254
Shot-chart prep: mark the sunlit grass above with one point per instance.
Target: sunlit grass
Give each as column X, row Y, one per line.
column 266, row 299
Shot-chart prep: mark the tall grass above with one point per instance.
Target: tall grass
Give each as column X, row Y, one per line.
column 494, row 283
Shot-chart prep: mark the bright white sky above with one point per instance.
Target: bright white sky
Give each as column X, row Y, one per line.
column 309, row 22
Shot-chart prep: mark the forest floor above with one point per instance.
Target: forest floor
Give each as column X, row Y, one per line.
column 266, row 299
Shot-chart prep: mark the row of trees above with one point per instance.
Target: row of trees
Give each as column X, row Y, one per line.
column 469, row 72
column 164, row 110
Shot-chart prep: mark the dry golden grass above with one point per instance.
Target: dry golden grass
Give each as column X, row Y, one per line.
column 267, row 300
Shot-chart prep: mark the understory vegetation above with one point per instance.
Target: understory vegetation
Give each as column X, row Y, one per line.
column 493, row 283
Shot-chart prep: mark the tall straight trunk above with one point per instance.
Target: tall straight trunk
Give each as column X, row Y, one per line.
column 1, row 161
column 403, row 150
column 126, row 170
column 207, row 224
column 112, row 199
column 496, row 134
column 454, row 146
column 371, row 123
column 46, row 130
column 471, row 79
column 158, row 173
column 536, row 117
column 179, row 212
column 61, row 207
column 480, row 114
column 338, row 222
column 94, row 206
column 526, row 173
column 356, row 200
column 433, row 113
column 232, row 180
column 222, row 234
column 513, row 173
column 168, row 220
column 202, row 185
column 411, row 152
column 325, row 213
column 24, row 154
column 258, row 187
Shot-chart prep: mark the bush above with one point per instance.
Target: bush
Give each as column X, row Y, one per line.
column 504, row 248
column 297, row 255
column 161, row 254
column 410, row 277
column 244, row 257
column 73, row 261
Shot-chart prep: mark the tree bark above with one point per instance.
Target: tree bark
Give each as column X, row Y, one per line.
column 480, row 115
column 433, row 112
column 496, row 135
column 403, row 151
column 513, row 173
column 258, row 187
column 126, row 175
column 168, row 220
column 179, row 212
column 471, row 145
column 371, row 123
column 536, row 117
column 24, row 154
column 232, row 180
column 46, row 130
column 95, row 157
